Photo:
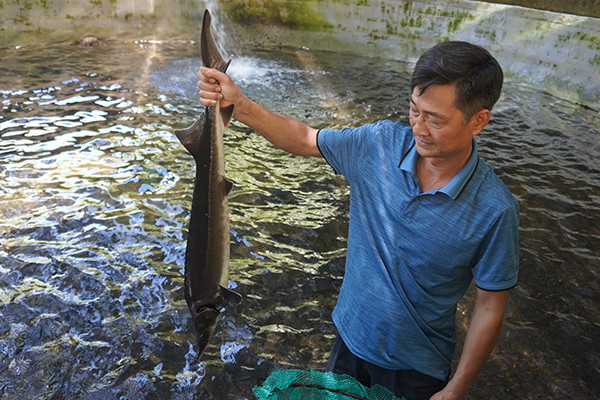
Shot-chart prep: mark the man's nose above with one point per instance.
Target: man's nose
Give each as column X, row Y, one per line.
column 419, row 126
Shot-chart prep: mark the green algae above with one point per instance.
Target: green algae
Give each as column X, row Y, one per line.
column 592, row 42
column 291, row 14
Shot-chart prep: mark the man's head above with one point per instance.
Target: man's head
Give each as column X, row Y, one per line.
column 477, row 75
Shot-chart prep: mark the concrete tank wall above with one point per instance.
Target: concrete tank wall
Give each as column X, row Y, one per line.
column 590, row 8
column 557, row 52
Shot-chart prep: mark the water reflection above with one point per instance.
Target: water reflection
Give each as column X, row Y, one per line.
column 94, row 205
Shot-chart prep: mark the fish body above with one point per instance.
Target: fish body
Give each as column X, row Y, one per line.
column 207, row 251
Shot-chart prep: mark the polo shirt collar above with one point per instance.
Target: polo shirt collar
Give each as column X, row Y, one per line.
column 453, row 188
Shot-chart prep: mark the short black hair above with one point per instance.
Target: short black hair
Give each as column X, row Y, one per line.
column 477, row 75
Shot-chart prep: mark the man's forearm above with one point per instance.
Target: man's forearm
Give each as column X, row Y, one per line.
column 283, row 131
column 287, row 133
column 481, row 338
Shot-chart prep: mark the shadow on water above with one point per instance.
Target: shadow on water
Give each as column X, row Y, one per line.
column 94, row 205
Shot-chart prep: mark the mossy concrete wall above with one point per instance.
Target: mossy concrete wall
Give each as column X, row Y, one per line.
column 44, row 21
column 557, row 52
column 589, row 8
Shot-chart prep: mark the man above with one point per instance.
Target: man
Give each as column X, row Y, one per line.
column 427, row 216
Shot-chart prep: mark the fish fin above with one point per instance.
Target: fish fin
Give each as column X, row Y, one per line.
column 228, row 186
column 211, row 56
column 226, row 115
column 189, row 137
column 228, row 297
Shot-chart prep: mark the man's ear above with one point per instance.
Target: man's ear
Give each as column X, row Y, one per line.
column 480, row 120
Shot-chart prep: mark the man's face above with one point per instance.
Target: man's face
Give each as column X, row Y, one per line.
column 438, row 126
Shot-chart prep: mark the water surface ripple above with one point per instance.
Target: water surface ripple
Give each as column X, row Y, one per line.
column 95, row 200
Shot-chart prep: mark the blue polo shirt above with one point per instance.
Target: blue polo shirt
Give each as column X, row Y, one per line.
column 411, row 255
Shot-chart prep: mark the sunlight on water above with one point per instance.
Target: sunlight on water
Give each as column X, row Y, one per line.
column 94, row 205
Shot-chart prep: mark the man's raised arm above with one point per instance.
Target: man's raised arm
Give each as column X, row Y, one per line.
column 284, row 132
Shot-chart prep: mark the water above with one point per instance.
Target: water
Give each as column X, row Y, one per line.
column 95, row 200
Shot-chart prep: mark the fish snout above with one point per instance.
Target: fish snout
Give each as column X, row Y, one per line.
column 205, row 320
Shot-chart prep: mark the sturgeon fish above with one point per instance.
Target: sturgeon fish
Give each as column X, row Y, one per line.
column 207, row 251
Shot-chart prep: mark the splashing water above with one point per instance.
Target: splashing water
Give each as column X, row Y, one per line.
column 218, row 27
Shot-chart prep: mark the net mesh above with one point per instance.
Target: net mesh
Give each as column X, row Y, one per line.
column 295, row 384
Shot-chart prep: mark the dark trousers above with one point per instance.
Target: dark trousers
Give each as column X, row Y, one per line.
column 411, row 384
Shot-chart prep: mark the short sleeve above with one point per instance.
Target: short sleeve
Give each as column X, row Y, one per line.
column 346, row 149
column 498, row 265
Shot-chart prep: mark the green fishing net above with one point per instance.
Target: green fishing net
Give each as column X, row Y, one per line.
column 295, row 384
